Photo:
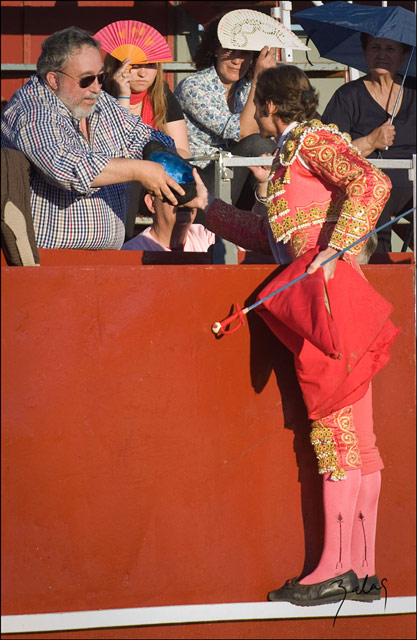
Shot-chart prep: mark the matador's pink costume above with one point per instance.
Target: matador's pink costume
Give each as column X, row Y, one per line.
column 321, row 193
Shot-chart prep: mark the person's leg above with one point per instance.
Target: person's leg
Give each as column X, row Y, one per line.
column 253, row 145
column 351, row 444
column 364, row 525
column 339, row 501
column 366, row 509
column 337, row 449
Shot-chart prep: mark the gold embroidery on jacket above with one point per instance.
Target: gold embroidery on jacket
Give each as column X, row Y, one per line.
column 367, row 188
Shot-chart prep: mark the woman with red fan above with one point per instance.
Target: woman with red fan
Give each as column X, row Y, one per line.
column 133, row 66
column 141, row 88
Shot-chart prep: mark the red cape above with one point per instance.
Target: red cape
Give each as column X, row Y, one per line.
column 336, row 356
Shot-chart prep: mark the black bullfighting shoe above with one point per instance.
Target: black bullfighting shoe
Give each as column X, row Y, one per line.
column 369, row 589
column 308, row 595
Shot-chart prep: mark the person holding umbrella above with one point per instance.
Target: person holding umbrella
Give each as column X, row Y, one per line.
column 364, row 108
column 378, row 110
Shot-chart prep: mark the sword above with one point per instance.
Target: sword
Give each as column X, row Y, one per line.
column 220, row 328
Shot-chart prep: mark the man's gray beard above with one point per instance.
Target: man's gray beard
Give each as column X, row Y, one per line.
column 83, row 112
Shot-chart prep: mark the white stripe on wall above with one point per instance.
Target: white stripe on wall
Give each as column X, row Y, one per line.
column 134, row 617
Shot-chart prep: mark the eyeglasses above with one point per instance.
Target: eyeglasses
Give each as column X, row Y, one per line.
column 87, row 80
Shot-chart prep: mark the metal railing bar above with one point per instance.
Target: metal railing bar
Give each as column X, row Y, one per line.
column 181, row 66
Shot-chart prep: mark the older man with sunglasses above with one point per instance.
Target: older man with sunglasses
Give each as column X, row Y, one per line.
column 83, row 147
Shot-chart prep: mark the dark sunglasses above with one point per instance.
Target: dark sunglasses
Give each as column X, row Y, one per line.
column 87, row 80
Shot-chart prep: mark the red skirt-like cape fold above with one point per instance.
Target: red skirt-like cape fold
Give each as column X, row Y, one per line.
column 336, row 355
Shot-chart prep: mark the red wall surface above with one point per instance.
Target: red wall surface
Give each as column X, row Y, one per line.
column 147, row 463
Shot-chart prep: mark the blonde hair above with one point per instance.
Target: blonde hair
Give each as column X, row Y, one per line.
column 156, row 90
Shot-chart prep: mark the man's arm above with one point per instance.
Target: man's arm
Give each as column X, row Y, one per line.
column 150, row 174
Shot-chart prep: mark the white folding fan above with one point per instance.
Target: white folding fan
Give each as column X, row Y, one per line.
column 135, row 40
column 252, row 30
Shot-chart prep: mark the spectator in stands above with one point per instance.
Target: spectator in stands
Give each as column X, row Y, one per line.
column 218, row 105
column 363, row 109
column 141, row 89
column 172, row 228
column 83, row 146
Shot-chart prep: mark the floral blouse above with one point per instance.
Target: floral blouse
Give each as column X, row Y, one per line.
column 210, row 124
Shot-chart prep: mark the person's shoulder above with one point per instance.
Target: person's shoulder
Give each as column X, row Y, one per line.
column 309, row 135
column 33, row 87
column 352, row 88
column 198, row 77
column 199, row 238
column 139, row 243
column 168, row 93
column 321, row 130
column 174, row 109
column 30, row 99
column 200, row 231
column 110, row 107
column 202, row 73
column 186, row 81
column 345, row 102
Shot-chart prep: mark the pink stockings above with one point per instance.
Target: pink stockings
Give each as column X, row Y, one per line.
column 364, row 525
column 350, row 513
column 350, row 504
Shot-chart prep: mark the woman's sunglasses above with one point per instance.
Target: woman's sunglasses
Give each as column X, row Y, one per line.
column 87, row 80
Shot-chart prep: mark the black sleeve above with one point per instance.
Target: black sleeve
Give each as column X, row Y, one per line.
column 174, row 111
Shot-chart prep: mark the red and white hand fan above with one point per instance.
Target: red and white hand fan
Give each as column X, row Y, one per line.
column 135, row 40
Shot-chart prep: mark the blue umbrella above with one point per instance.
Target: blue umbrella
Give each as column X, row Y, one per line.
column 336, row 26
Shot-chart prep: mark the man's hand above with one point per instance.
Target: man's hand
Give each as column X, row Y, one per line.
column 262, row 174
column 157, row 182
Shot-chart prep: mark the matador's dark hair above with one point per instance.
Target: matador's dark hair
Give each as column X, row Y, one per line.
column 289, row 89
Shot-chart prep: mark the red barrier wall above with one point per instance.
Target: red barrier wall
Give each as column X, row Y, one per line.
column 147, row 463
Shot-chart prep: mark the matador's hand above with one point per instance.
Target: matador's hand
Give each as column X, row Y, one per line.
column 321, row 257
